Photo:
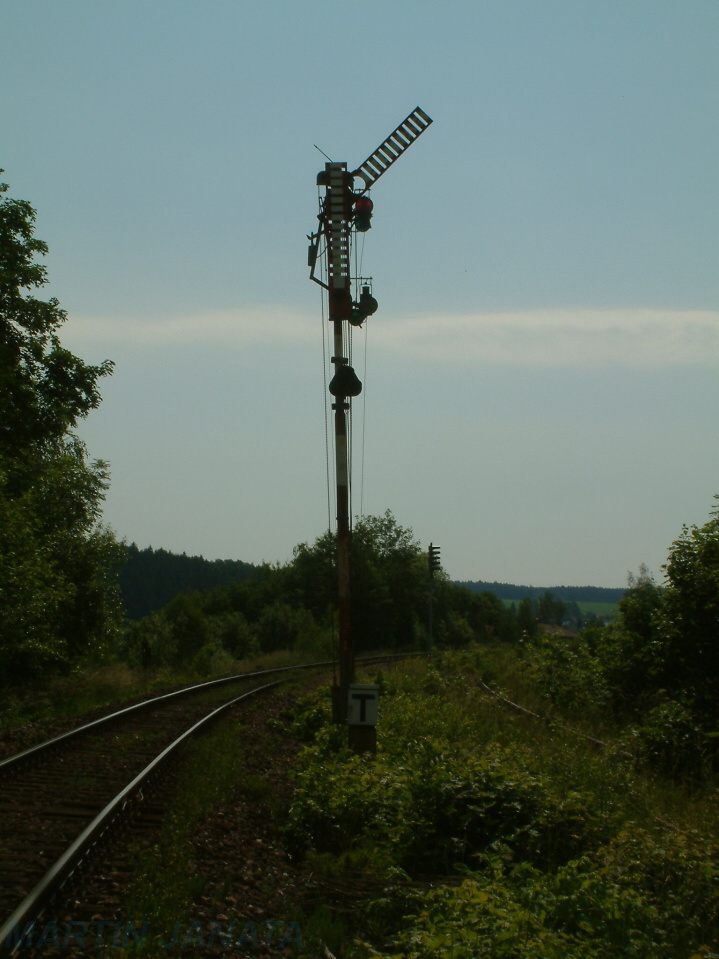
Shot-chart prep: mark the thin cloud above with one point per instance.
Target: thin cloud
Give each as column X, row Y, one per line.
column 232, row 328
column 641, row 338
column 559, row 338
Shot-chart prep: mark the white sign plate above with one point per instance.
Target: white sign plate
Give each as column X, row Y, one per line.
column 362, row 704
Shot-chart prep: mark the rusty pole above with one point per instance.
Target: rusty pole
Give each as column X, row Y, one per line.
column 336, row 220
column 338, row 212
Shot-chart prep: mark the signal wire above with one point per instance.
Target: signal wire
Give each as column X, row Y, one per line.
column 325, row 392
column 350, row 431
column 364, row 421
column 358, row 274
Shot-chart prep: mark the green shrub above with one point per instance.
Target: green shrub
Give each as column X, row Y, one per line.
column 431, row 803
column 670, row 740
column 641, row 896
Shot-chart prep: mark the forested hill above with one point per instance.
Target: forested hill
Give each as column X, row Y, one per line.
column 568, row 594
column 151, row 578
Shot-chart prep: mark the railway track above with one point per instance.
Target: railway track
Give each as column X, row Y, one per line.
column 56, row 808
column 61, row 798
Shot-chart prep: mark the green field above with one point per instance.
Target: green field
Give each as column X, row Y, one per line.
column 599, row 609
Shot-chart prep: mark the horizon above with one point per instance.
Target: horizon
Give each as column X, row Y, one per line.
column 459, row 582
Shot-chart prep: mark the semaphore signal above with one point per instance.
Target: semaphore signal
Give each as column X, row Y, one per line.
column 344, row 208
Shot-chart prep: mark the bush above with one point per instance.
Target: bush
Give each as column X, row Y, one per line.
column 429, row 802
column 670, row 740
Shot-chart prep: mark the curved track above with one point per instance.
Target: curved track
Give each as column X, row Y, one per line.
column 60, row 797
column 55, row 814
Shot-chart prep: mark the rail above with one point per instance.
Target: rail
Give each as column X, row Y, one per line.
column 32, row 906
column 15, row 928
column 33, row 751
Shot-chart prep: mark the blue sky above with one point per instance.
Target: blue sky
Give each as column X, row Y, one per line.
column 541, row 386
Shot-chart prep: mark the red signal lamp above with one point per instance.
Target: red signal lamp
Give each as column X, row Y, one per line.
column 363, row 214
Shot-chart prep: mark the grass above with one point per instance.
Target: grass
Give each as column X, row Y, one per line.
column 599, row 609
column 165, row 883
column 585, row 607
column 535, row 843
column 555, row 848
column 87, row 689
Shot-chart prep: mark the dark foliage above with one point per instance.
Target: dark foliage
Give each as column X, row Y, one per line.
column 58, row 600
column 656, row 667
column 151, row 578
column 293, row 606
column 568, row 594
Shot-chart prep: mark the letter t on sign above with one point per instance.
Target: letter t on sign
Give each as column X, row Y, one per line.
column 362, row 704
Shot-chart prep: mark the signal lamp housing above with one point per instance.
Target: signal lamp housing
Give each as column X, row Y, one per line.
column 363, row 214
column 366, row 306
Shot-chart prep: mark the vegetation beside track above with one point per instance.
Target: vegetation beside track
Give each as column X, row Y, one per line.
column 213, row 874
column 87, row 690
column 493, row 834
column 164, row 881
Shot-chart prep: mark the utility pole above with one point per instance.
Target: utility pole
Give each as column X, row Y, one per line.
column 346, row 208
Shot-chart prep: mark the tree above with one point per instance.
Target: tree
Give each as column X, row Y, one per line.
column 57, row 598
column 486, row 615
column 550, row 610
column 686, row 640
column 665, row 643
column 389, row 583
column 526, row 619
column 628, row 647
column 44, row 389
